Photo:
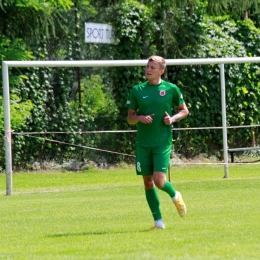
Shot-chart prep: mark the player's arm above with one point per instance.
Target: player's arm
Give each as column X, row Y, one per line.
column 133, row 118
column 183, row 112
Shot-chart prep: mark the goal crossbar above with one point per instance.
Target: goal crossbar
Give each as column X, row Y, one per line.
column 110, row 63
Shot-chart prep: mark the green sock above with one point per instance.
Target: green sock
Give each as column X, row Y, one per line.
column 154, row 203
column 168, row 188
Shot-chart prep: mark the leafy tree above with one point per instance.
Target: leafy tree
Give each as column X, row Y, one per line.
column 20, row 112
column 14, row 50
column 238, row 9
column 20, row 109
column 134, row 30
column 96, row 100
column 73, row 99
column 32, row 24
column 31, row 20
column 201, row 85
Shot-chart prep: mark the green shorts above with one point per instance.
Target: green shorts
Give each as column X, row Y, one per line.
column 152, row 159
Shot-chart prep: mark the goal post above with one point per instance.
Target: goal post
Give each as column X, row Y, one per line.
column 110, row 63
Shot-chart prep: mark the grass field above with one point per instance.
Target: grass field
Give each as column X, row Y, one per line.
column 103, row 214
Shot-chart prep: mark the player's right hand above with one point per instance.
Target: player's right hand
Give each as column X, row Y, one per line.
column 146, row 119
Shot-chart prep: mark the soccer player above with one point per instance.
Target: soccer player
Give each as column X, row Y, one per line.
column 150, row 106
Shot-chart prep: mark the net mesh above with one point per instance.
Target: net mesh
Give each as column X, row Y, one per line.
column 75, row 151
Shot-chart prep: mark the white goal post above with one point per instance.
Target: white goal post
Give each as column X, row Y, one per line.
column 110, row 63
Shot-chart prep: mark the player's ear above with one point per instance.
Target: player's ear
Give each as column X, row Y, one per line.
column 162, row 71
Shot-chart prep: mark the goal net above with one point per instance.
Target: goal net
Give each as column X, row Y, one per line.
column 75, row 133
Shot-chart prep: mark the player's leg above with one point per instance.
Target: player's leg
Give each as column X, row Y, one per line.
column 153, row 201
column 144, row 167
column 161, row 158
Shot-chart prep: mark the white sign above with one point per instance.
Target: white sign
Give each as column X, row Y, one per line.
column 99, row 33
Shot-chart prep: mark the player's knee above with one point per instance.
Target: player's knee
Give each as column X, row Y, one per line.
column 159, row 183
column 148, row 183
column 159, row 180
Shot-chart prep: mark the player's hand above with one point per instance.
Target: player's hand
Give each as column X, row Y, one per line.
column 146, row 119
column 167, row 119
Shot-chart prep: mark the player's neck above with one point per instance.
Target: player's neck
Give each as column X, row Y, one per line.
column 155, row 81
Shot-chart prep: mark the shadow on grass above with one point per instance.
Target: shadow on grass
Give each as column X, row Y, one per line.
column 100, row 233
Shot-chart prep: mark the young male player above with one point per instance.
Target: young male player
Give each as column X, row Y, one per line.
column 150, row 107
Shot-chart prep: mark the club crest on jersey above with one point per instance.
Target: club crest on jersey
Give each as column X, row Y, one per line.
column 162, row 93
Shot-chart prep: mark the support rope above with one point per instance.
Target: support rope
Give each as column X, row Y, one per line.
column 81, row 146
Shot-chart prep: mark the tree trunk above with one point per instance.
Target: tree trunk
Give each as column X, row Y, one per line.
column 245, row 14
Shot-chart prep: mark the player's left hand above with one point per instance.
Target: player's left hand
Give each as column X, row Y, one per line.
column 167, row 119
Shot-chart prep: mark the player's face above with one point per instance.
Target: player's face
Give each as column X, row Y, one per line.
column 153, row 71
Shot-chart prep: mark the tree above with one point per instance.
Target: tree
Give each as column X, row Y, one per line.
column 237, row 9
column 30, row 20
column 44, row 29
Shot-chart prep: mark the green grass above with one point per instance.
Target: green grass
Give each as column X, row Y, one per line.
column 103, row 214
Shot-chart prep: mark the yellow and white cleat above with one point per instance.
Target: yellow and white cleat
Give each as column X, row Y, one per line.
column 157, row 227
column 180, row 205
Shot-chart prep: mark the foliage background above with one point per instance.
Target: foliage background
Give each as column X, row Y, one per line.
column 74, row 100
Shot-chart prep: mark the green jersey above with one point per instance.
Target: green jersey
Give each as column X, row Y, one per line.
column 148, row 99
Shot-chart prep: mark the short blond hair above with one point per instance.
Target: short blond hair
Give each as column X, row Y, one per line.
column 158, row 59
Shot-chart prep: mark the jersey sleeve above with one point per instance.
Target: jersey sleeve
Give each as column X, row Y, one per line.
column 127, row 101
column 132, row 101
column 178, row 98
